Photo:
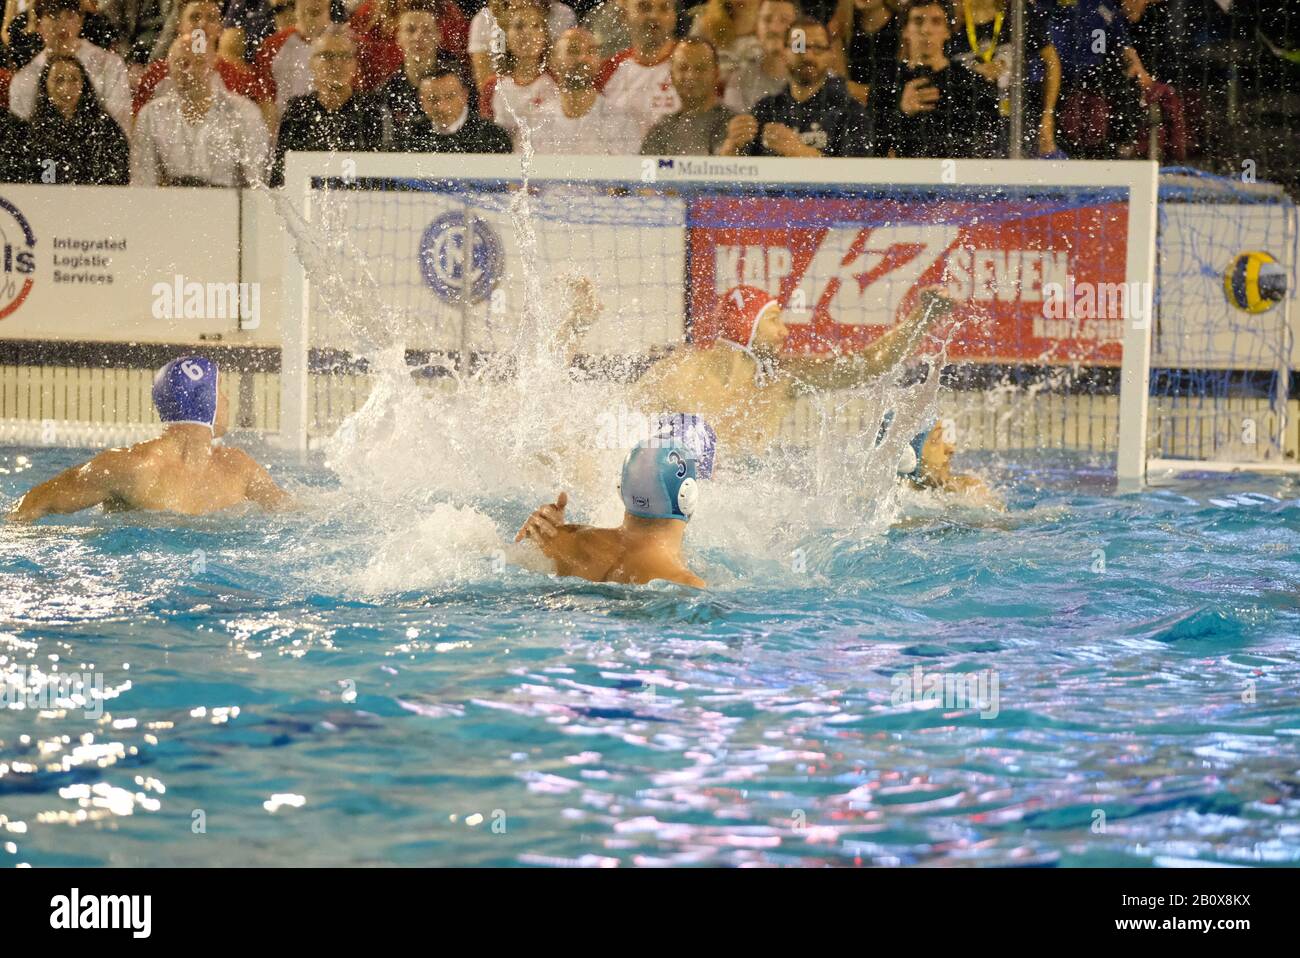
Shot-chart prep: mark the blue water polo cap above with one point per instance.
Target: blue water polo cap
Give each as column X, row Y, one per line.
column 660, row 481
column 185, row 390
column 916, row 445
column 909, row 463
column 690, row 429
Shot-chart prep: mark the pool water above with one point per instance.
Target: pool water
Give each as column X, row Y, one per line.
column 356, row 683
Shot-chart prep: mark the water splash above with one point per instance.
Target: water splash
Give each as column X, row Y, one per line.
column 520, row 426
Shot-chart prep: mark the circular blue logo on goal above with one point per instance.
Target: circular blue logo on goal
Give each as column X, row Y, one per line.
column 461, row 257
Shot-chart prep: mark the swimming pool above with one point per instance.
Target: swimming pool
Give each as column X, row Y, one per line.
column 358, row 684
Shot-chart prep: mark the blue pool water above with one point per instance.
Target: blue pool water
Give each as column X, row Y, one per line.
column 350, row 685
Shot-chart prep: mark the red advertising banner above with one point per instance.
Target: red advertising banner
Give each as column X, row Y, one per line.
column 1035, row 280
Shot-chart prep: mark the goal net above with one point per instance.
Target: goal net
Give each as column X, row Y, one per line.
column 1051, row 267
column 1224, row 340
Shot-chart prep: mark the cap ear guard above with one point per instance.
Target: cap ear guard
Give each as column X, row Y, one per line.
column 907, row 461
column 688, row 496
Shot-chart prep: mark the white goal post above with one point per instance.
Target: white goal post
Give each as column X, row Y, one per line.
column 661, row 271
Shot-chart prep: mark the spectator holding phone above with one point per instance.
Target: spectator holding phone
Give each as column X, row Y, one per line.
column 935, row 108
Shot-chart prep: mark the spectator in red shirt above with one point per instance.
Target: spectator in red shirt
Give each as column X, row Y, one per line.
column 201, row 21
column 374, row 24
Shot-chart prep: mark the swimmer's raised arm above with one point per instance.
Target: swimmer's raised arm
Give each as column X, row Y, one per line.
column 584, row 310
column 106, row 476
column 837, row 370
column 583, row 551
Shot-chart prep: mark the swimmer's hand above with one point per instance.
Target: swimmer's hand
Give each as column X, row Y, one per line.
column 545, row 522
column 261, row 489
column 575, row 550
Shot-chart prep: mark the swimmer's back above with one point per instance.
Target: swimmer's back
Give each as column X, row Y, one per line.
column 152, row 476
column 164, row 481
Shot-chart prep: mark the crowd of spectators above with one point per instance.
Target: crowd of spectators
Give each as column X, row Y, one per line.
column 191, row 92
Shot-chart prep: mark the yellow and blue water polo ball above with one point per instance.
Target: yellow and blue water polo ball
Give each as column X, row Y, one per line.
column 1254, row 282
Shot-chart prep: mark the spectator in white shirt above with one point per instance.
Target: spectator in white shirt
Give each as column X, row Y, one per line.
column 487, row 31
column 59, row 24
column 198, row 133
column 582, row 121
column 285, row 57
column 638, row 81
column 516, row 97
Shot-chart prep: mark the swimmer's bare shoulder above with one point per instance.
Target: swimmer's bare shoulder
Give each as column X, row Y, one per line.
column 137, row 477
column 577, row 550
column 256, row 481
column 977, row 492
column 601, row 555
column 596, row 554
